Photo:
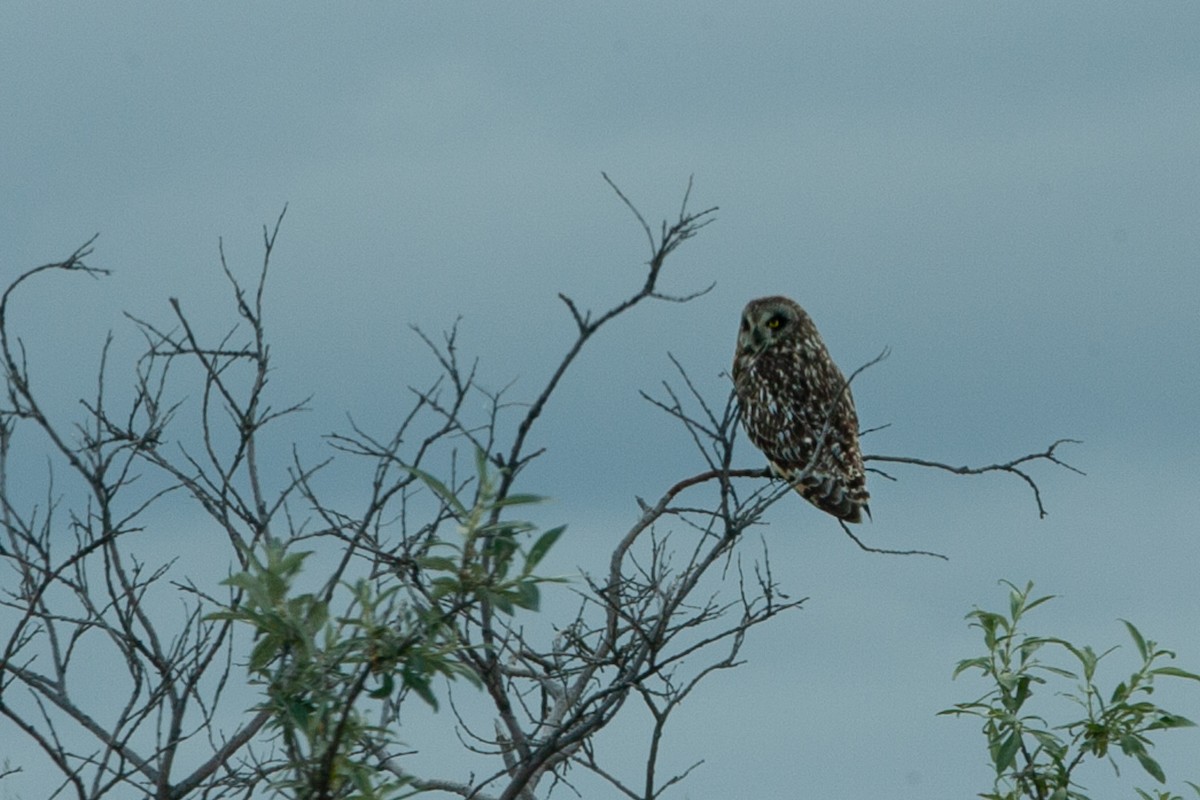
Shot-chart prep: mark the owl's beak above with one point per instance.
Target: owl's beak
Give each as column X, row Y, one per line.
column 753, row 341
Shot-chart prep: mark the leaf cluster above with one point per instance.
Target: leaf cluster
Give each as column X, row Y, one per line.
column 479, row 568
column 1034, row 758
column 320, row 672
column 421, row 580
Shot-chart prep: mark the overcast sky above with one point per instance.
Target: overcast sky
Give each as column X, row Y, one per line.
column 1006, row 194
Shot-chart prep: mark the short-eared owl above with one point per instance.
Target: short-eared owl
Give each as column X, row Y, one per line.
column 797, row 407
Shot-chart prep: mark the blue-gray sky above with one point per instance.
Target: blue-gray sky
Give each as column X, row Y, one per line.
column 1006, row 194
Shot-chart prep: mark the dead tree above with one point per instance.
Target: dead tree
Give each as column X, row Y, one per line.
column 430, row 579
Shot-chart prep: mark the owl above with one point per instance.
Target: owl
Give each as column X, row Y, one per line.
column 797, row 407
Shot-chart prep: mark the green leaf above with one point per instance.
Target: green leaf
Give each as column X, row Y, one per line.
column 1085, row 655
column 501, row 547
column 240, row 580
column 299, row 713
column 541, row 547
column 318, row 614
column 1062, row 673
column 263, row 654
column 438, row 564
column 1035, row 603
column 288, row 564
column 440, row 587
column 982, row 664
column 527, row 595
column 520, row 499
column 1138, row 640
column 361, row 778
column 1175, row 672
column 387, row 685
column 419, row 683
column 1151, row 766
column 991, row 622
column 1053, row 745
column 502, row 602
column 1132, row 746
column 1006, row 755
column 1016, row 601
column 1023, row 691
column 440, row 489
column 1029, row 646
column 1167, row 721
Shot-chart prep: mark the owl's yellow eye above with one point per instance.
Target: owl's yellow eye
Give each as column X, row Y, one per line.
column 774, row 322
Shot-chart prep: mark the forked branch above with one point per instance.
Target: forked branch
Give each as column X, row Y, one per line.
column 1014, row 467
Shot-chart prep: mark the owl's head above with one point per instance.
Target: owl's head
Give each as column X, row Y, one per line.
column 768, row 320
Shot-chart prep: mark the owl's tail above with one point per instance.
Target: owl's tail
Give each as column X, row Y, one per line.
column 830, row 494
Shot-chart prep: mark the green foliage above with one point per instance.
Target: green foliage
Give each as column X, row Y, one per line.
column 479, row 568
column 1035, row 759
column 323, row 673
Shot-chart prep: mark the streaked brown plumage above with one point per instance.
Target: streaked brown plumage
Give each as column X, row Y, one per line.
column 797, row 407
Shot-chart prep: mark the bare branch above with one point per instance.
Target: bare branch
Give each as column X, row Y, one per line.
column 1013, row 467
column 424, row 572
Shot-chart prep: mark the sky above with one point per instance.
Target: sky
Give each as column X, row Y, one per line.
column 1006, row 195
